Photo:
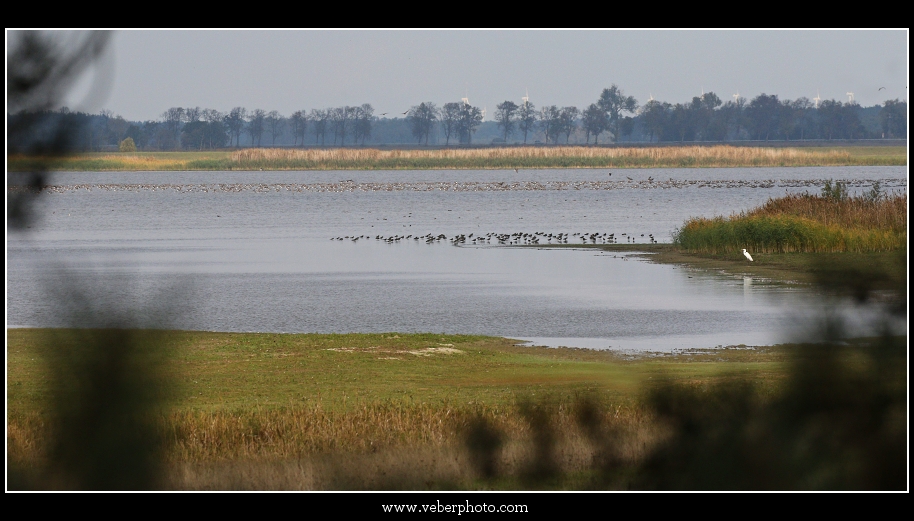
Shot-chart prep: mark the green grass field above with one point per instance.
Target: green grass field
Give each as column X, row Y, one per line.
column 237, row 371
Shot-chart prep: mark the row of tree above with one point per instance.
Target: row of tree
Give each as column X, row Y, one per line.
column 613, row 117
column 706, row 118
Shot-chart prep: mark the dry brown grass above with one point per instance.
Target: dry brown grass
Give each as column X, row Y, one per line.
column 382, row 448
column 887, row 213
column 375, row 446
column 804, row 223
column 360, row 158
column 720, row 155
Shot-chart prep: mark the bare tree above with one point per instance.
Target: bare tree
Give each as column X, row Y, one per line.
column 526, row 118
column 299, row 122
column 804, row 113
column 362, row 116
column 594, row 122
column 192, row 114
column 505, row 116
column 449, row 117
column 551, row 122
column 422, row 120
column 235, row 123
column 256, row 125
column 172, row 119
column 319, row 119
column 468, row 121
column 216, row 131
column 275, row 125
column 567, row 121
column 340, row 122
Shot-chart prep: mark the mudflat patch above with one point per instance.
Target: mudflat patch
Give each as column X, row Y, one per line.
column 390, row 352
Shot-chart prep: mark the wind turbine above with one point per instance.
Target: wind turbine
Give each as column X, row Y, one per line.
column 850, row 97
column 817, row 98
column 651, row 98
column 483, row 112
column 526, row 98
column 736, row 97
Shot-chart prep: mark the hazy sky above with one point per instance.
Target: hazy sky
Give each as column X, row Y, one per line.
column 147, row 71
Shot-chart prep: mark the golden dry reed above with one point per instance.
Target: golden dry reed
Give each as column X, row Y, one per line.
column 361, row 158
column 535, row 157
column 302, row 430
column 853, row 212
column 804, row 223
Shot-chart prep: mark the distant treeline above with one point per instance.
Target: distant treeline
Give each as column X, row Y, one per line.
column 613, row 118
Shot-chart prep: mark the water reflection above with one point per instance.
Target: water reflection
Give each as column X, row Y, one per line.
column 599, row 300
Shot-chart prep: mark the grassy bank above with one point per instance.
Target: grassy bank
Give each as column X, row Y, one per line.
column 527, row 157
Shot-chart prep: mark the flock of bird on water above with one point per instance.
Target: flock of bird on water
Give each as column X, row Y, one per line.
column 517, row 238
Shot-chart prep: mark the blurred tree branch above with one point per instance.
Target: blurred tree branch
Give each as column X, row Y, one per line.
column 42, row 66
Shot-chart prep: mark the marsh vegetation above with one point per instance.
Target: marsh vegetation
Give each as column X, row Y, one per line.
column 827, row 223
column 526, row 157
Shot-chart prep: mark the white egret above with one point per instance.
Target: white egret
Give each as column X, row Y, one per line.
column 746, row 253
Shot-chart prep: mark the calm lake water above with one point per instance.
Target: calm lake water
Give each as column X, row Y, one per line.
column 338, row 252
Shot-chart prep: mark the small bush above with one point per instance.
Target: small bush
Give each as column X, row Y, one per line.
column 127, row 145
column 836, row 191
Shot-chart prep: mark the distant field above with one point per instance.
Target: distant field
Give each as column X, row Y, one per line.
column 471, row 158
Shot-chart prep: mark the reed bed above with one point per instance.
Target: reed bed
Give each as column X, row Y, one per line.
column 534, row 157
column 195, row 437
column 123, row 162
column 854, row 212
column 508, row 157
column 804, row 223
column 552, row 447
